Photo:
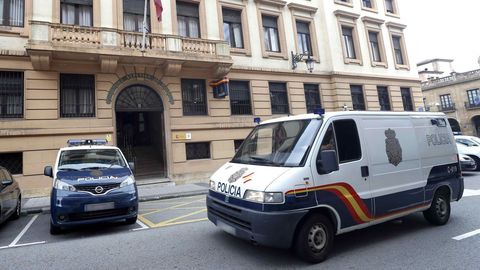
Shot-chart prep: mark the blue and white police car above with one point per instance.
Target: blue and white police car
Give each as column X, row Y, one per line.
column 92, row 183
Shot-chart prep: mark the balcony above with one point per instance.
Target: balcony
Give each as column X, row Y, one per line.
column 51, row 41
column 470, row 106
column 450, row 108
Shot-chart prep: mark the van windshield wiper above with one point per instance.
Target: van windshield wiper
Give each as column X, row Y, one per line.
column 68, row 169
column 262, row 160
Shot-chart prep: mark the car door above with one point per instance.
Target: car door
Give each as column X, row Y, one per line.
column 347, row 189
column 3, row 195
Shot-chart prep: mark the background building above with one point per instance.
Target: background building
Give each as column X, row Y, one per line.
column 76, row 69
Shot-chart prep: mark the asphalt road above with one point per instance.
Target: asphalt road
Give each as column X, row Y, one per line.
column 174, row 234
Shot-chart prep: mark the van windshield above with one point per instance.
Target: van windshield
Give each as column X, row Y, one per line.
column 90, row 159
column 279, row 144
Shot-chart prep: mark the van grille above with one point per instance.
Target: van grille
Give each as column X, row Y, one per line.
column 237, row 221
column 92, row 188
column 98, row 214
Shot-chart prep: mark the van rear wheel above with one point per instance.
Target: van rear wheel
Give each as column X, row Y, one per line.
column 314, row 240
column 439, row 211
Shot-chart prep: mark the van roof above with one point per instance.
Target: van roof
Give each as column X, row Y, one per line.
column 353, row 113
column 83, row 147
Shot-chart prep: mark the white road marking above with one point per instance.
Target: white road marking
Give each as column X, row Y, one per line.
column 15, row 241
column 26, row 244
column 142, row 225
column 466, row 235
column 471, row 192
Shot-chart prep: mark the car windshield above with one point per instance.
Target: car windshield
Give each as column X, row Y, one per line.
column 279, row 144
column 90, row 159
column 466, row 142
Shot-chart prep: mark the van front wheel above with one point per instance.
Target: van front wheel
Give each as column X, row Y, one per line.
column 314, row 240
column 439, row 211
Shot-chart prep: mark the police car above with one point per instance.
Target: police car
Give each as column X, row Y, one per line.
column 298, row 181
column 92, row 182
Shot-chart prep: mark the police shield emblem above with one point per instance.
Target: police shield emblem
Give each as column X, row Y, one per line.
column 393, row 148
column 235, row 176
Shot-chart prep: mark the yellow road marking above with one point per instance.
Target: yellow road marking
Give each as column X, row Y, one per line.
column 183, row 222
column 168, row 208
column 146, row 221
column 167, row 222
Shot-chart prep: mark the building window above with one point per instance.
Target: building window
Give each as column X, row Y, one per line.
column 473, row 98
column 194, row 97
column 397, row 48
column 303, row 38
column 446, row 102
column 367, row 3
column 390, row 6
column 312, row 97
column 13, row 162
column 77, row 95
column 270, row 32
column 188, row 20
column 240, row 98
column 374, row 46
column 383, row 98
column 348, row 42
column 133, row 15
column 279, row 98
column 407, row 99
column 358, row 100
column 237, row 144
column 232, row 27
column 12, row 12
column 77, row 12
column 11, row 94
column 198, row 150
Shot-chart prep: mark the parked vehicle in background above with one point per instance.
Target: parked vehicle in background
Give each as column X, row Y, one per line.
column 10, row 196
column 467, row 163
column 470, row 146
column 92, row 183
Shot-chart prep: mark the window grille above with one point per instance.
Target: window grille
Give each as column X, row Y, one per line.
column 407, row 99
column 279, row 98
column 194, row 98
column 77, row 95
column 312, row 97
column 11, row 94
column 357, row 97
column 240, row 98
column 383, row 98
column 198, row 150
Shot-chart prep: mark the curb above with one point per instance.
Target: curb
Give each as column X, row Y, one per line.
column 46, row 210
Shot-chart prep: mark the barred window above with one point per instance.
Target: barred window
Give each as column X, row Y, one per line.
column 407, row 99
column 11, row 94
column 240, row 98
column 312, row 97
column 198, row 150
column 279, row 98
column 383, row 98
column 357, row 97
column 13, row 162
column 77, row 95
column 12, row 12
column 78, row 12
column 194, row 97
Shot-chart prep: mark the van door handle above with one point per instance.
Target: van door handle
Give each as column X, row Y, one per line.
column 365, row 172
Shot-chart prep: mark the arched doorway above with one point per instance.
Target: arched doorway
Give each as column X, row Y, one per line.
column 454, row 124
column 476, row 125
column 140, row 130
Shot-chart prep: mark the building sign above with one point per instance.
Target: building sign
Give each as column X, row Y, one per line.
column 136, row 76
column 182, row 136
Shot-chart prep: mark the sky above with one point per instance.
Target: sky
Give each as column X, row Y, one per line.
column 443, row 29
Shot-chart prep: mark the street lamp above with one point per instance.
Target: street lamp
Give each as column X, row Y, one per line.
column 299, row 56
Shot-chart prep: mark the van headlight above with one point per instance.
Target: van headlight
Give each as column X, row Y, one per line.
column 212, row 185
column 129, row 181
column 263, row 197
column 60, row 185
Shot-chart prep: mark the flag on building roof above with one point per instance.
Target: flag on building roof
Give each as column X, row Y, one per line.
column 159, row 9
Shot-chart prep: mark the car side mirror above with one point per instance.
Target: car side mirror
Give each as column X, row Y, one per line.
column 132, row 166
column 48, row 171
column 7, row 182
column 328, row 162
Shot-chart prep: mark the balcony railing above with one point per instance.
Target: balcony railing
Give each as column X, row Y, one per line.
column 450, row 108
column 73, row 34
column 469, row 105
column 453, row 79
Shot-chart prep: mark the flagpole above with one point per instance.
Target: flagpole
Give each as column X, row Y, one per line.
column 144, row 30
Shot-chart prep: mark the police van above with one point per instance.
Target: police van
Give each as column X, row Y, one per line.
column 92, row 182
column 298, row 181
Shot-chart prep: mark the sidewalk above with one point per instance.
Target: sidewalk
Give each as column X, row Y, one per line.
column 146, row 193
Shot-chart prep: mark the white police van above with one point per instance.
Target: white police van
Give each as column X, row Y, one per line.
column 299, row 181
column 92, row 182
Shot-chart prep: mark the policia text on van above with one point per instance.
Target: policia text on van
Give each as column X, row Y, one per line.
column 299, row 181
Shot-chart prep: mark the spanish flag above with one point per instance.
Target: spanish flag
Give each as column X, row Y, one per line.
column 159, row 9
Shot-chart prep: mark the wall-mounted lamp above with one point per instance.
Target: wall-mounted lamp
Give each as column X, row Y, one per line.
column 299, row 56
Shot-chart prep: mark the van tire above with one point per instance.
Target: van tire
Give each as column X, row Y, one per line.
column 54, row 229
column 130, row 221
column 18, row 209
column 314, row 239
column 439, row 211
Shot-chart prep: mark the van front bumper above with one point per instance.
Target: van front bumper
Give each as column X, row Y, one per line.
column 274, row 229
column 70, row 208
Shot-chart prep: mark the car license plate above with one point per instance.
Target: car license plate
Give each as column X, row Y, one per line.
column 227, row 228
column 99, row 206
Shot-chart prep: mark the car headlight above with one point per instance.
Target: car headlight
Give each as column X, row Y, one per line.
column 63, row 186
column 129, row 181
column 212, row 185
column 263, row 197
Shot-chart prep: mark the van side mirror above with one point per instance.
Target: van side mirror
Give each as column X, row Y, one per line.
column 132, row 166
column 48, row 171
column 7, row 182
column 328, row 162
